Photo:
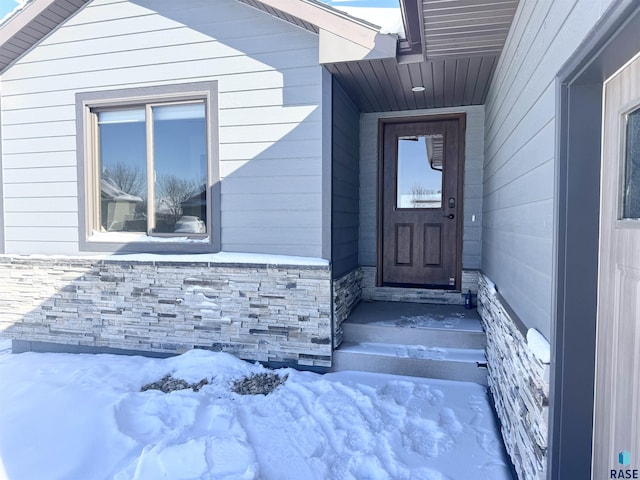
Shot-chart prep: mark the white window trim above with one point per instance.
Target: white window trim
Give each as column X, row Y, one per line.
column 88, row 211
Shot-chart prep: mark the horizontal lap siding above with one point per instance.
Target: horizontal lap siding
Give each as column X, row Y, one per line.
column 520, row 152
column 270, row 122
column 473, row 161
column 345, row 173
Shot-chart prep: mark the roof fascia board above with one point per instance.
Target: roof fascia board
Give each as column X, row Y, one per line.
column 413, row 44
column 342, row 37
column 336, row 48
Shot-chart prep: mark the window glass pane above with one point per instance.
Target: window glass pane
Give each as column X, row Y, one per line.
column 123, row 172
column 180, row 162
column 121, row 116
column 631, row 184
column 419, row 174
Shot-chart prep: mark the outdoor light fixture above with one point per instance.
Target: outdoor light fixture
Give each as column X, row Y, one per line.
column 418, row 88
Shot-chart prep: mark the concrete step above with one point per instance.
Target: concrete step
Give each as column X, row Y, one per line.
column 466, row 365
column 429, row 337
column 415, row 324
column 423, row 340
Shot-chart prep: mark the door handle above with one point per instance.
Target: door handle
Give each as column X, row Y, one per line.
column 450, row 216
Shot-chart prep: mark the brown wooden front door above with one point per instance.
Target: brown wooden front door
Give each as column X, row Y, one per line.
column 421, row 203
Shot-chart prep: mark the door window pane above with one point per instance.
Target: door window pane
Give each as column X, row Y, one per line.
column 123, row 170
column 419, row 173
column 180, row 153
column 631, row 183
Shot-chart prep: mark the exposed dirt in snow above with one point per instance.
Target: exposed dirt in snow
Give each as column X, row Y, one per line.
column 168, row 384
column 258, row 384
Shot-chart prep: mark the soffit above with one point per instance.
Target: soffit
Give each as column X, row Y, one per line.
column 466, row 27
column 461, row 42
column 385, row 85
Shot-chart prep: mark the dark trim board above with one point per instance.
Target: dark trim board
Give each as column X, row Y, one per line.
column 612, row 42
column 23, row 346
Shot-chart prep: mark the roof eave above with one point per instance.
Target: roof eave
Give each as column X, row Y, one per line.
column 343, row 38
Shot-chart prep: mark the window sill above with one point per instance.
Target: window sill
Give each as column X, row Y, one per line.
column 129, row 237
column 141, row 243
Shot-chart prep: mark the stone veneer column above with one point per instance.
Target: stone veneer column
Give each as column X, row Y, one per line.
column 269, row 313
column 347, row 293
column 519, row 384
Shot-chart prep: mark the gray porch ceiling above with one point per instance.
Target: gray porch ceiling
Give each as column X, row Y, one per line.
column 452, row 49
column 385, row 85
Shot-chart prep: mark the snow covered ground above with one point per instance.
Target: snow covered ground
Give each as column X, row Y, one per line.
column 83, row 417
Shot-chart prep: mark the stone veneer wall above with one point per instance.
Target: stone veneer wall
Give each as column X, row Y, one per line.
column 347, row 293
column 258, row 312
column 371, row 292
column 519, row 383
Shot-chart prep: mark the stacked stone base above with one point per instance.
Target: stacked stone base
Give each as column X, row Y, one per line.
column 265, row 313
column 519, row 384
column 371, row 292
column 347, row 293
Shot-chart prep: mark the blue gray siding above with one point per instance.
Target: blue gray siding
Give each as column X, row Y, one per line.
column 270, row 117
column 345, row 188
column 519, row 163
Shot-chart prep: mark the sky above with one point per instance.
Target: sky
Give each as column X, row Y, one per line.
column 383, row 13
column 7, row 7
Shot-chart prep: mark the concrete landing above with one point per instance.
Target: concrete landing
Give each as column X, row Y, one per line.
column 435, row 341
column 448, row 326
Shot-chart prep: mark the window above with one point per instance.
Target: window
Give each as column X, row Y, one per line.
column 148, row 173
column 419, row 171
column 631, row 172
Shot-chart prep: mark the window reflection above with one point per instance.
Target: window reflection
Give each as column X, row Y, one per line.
column 179, row 146
column 123, row 170
column 631, row 184
column 419, row 171
column 172, row 155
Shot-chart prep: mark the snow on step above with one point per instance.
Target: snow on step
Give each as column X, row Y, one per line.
column 416, row 351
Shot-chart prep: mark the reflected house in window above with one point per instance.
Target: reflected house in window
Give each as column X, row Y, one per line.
column 194, row 214
column 420, row 177
column 117, row 207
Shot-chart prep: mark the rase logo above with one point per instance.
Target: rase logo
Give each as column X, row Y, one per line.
column 624, row 459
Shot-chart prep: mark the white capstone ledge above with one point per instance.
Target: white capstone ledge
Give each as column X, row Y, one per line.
column 235, row 258
column 539, row 345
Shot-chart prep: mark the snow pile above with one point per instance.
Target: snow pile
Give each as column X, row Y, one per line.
column 84, row 417
column 491, row 287
column 539, row 345
column 388, row 19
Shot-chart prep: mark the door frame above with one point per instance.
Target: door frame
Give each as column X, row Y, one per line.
column 461, row 118
column 610, row 44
